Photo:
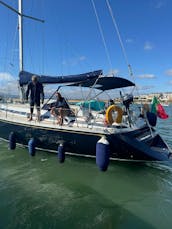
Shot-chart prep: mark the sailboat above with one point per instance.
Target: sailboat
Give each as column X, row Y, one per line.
column 96, row 131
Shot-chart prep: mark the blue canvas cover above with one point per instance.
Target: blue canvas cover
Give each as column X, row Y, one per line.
column 25, row 77
column 106, row 83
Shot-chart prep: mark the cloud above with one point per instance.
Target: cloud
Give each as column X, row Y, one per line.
column 160, row 4
column 168, row 72
column 148, row 46
column 5, row 76
column 74, row 61
column 82, row 58
column 144, row 87
column 8, row 84
column 147, row 76
column 170, row 82
column 129, row 40
column 113, row 72
column 10, row 88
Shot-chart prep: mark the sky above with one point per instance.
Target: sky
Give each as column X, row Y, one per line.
column 69, row 42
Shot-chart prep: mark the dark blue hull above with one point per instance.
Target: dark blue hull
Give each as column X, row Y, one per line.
column 122, row 145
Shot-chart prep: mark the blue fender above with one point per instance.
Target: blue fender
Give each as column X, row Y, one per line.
column 31, row 147
column 12, row 141
column 102, row 154
column 61, row 153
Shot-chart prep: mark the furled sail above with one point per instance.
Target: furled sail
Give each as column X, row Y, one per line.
column 25, row 77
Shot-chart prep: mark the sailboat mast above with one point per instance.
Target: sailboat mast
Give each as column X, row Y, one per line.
column 20, row 26
column 20, row 20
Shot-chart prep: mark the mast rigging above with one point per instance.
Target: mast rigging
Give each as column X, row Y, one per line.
column 20, row 13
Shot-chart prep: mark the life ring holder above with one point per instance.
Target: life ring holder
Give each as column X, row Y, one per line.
column 109, row 117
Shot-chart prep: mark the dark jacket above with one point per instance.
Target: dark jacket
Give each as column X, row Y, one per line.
column 61, row 103
column 36, row 92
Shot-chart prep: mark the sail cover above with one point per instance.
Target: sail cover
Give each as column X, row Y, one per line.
column 25, row 77
column 106, row 83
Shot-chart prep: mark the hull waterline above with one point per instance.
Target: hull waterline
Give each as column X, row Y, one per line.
column 122, row 145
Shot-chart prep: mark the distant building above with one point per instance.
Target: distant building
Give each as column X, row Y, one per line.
column 147, row 98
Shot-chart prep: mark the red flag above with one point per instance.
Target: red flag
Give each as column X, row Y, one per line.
column 161, row 112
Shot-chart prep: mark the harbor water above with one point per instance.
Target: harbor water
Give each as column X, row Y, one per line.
column 38, row 192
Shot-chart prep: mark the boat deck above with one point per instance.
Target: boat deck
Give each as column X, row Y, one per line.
column 18, row 113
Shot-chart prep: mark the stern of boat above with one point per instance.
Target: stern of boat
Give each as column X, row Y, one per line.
column 140, row 144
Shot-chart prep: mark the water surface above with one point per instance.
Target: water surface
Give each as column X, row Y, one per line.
column 41, row 193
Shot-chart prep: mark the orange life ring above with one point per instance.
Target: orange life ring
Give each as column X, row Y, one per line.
column 109, row 117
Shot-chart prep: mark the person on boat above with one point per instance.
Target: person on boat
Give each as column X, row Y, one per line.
column 143, row 110
column 60, row 109
column 111, row 102
column 36, row 92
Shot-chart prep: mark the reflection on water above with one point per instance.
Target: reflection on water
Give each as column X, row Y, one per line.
column 40, row 193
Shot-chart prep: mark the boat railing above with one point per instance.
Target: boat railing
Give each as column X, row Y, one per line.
column 76, row 118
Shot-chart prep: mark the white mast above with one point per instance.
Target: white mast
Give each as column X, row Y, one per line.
column 20, row 17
